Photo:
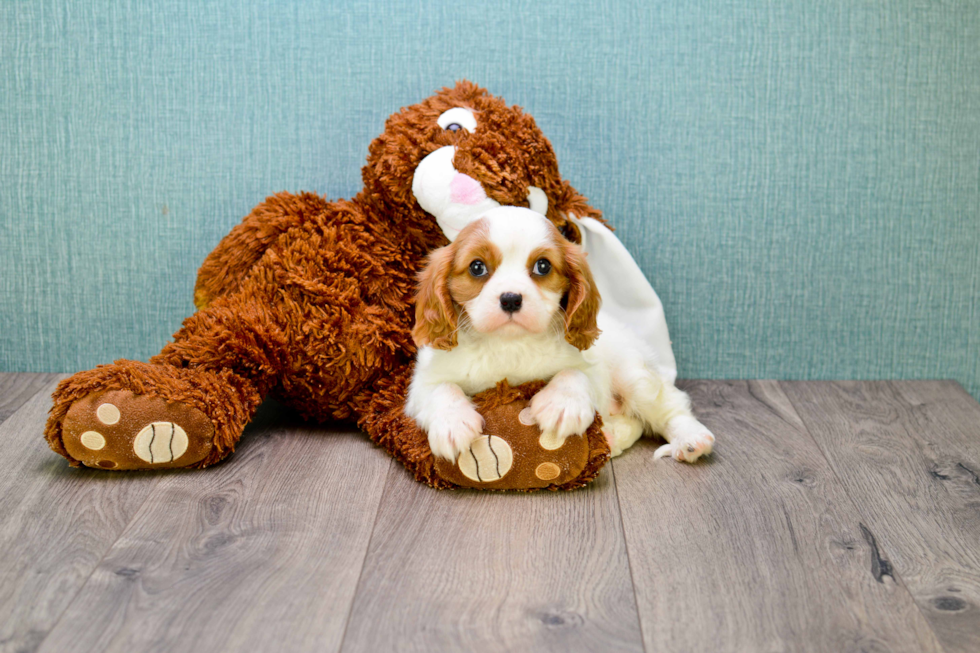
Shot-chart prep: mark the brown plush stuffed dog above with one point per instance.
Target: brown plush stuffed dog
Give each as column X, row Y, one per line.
column 312, row 301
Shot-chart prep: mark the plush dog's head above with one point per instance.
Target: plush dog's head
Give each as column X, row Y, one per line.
column 459, row 153
column 511, row 273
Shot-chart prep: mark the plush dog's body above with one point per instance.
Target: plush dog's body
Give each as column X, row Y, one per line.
column 310, row 300
column 511, row 299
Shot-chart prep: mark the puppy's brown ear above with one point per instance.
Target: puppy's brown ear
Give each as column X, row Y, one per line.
column 435, row 315
column 582, row 301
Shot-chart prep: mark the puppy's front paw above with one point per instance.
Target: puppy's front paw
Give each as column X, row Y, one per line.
column 452, row 432
column 563, row 407
column 688, row 447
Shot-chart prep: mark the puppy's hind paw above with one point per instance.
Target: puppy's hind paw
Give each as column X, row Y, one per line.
column 621, row 432
column 687, row 448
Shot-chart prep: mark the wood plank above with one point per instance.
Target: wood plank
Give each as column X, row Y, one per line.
column 909, row 455
column 481, row 571
column 18, row 387
column 261, row 553
column 56, row 523
column 758, row 547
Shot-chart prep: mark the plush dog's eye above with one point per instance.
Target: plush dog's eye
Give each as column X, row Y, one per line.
column 458, row 118
column 478, row 268
column 542, row 267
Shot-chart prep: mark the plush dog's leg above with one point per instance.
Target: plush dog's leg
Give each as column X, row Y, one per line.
column 313, row 320
column 230, row 263
column 134, row 415
column 187, row 407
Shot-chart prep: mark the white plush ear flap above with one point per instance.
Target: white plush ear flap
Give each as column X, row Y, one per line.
column 626, row 293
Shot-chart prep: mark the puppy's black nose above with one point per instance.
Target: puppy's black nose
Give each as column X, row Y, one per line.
column 511, row 302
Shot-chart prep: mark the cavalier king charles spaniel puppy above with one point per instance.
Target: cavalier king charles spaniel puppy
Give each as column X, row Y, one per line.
column 510, row 298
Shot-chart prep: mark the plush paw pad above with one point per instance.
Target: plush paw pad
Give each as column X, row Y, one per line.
column 487, row 459
column 122, row 430
column 160, row 442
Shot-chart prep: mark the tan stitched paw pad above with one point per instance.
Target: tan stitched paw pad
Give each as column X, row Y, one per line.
column 487, row 459
column 121, row 430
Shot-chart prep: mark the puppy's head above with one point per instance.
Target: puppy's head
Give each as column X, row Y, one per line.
column 509, row 273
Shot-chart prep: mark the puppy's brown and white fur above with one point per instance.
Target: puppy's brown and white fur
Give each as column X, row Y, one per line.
column 511, row 299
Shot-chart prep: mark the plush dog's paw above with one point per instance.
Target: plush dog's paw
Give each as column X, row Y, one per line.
column 452, row 431
column 563, row 407
column 688, row 447
column 119, row 429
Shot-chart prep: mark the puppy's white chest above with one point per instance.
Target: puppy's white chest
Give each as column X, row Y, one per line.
column 481, row 363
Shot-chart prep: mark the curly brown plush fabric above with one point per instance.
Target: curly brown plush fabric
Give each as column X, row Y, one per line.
column 312, row 300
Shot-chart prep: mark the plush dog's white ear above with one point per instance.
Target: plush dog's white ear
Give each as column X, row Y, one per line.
column 435, row 315
column 582, row 301
column 626, row 293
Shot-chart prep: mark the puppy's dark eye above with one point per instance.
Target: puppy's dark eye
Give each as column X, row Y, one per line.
column 478, row 268
column 454, row 126
column 542, row 267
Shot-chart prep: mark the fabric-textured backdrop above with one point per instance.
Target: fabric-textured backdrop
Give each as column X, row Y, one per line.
column 800, row 179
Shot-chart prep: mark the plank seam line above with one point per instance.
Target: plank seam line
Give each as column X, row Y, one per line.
column 629, row 562
column 894, row 573
column 367, row 549
column 98, row 564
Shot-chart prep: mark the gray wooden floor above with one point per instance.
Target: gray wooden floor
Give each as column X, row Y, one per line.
column 832, row 517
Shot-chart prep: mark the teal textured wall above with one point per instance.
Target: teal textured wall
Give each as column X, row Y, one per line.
column 800, row 179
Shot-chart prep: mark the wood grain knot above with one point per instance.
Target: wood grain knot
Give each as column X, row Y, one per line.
column 561, row 619
column 949, row 604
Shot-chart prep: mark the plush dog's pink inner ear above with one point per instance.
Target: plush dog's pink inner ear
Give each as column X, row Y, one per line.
column 463, row 189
